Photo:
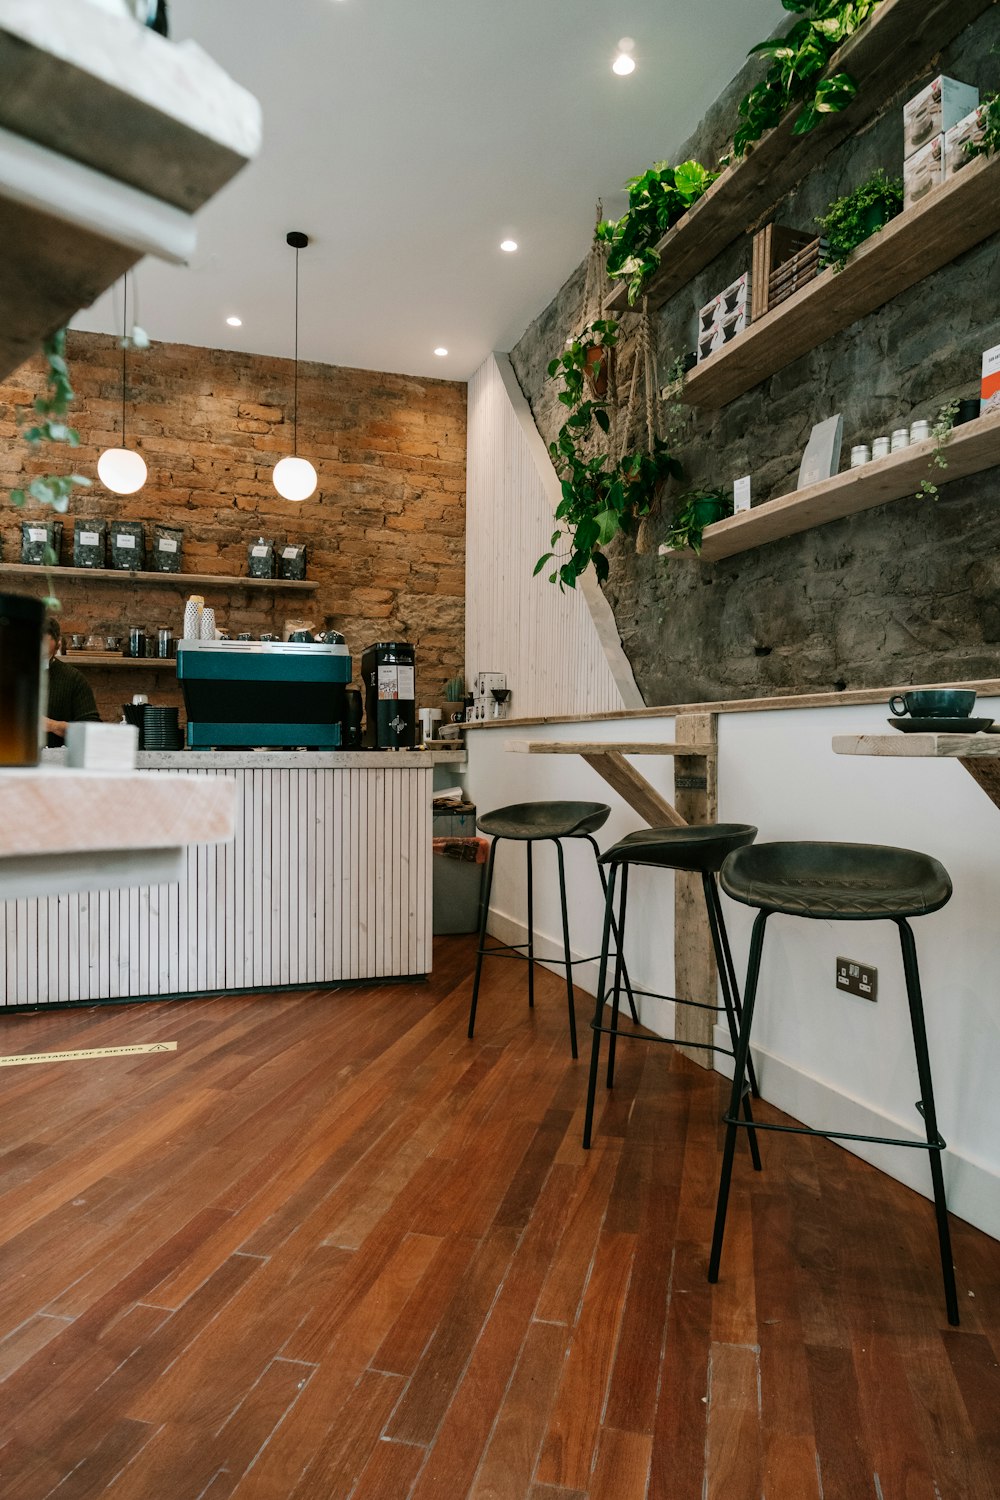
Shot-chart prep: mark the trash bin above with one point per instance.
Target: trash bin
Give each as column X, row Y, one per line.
column 459, row 867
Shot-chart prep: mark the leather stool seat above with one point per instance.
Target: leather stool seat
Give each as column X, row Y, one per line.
column 837, row 882
column 695, row 848
column 545, row 820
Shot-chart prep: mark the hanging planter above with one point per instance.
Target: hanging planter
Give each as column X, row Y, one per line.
column 21, row 625
column 597, row 366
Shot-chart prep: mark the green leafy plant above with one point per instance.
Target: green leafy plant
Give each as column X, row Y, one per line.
column 851, row 220
column 52, row 489
column 576, row 364
column 941, row 430
column 797, row 74
column 989, row 115
column 657, row 198
column 693, row 512
column 601, row 496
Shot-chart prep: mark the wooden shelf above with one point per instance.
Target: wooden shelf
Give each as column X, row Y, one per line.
column 973, row 447
column 894, row 48
column 111, row 138
column 949, row 221
column 114, row 660
column 165, row 580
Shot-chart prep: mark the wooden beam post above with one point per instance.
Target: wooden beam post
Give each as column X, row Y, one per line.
column 695, row 972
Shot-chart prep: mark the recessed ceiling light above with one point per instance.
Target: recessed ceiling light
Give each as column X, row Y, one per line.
column 509, row 245
column 624, row 63
column 441, row 352
column 235, row 322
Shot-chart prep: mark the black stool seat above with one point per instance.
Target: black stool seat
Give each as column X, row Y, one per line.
column 545, row 820
column 836, row 882
column 698, row 848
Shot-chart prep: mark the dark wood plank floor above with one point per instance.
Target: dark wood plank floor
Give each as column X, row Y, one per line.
column 330, row 1248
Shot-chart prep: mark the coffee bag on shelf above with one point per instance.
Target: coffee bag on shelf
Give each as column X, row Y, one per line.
column 38, row 538
column 128, row 546
column 293, row 561
column 167, row 543
column 89, row 542
column 260, row 558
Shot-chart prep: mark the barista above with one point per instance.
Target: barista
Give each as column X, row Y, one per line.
column 70, row 695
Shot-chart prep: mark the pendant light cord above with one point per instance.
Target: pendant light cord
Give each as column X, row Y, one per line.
column 295, row 406
column 124, row 346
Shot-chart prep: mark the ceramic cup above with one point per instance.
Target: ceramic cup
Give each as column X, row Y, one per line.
column 934, row 703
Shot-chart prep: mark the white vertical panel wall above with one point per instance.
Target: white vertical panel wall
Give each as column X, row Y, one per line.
column 327, row 880
column 543, row 639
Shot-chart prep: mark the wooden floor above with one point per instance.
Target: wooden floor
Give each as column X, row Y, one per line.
column 329, row 1248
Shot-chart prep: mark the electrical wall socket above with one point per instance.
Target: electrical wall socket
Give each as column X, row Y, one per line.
column 856, row 978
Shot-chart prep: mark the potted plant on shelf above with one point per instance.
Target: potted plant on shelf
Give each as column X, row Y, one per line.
column 693, row 512
column 799, row 62
column 657, row 198
column 851, row 220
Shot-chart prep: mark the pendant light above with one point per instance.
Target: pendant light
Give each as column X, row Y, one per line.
column 294, row 477
column 121, row 469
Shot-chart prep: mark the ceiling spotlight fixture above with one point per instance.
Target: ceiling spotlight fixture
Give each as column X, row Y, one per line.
column 120, row 469
column 235, row 322
column 624, row 62
column 295, row 478
column 441, row 352
column 509, row 245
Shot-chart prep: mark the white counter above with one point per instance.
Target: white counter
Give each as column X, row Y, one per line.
column 328, row 879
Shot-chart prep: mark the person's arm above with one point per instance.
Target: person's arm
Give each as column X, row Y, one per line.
column 83, row 706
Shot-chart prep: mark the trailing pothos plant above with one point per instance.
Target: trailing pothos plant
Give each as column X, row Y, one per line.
column 52, row 427
column 851, row 220
column 799, row 61
column 602, row 497
column 657, row 198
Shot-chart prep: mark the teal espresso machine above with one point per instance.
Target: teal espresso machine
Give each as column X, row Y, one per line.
column 278, row 694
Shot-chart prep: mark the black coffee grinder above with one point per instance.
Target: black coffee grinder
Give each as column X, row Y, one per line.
column 388, row 676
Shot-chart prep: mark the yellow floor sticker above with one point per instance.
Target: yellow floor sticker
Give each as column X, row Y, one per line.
column 22, row 1059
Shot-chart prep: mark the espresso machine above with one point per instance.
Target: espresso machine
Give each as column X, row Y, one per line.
column 285, row 694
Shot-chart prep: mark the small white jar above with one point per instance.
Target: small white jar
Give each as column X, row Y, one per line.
column 920, row 431
column 900, row 439
column 880, row 447
column 860, row 455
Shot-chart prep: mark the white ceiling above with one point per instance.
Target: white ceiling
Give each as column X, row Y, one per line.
column 407, row 138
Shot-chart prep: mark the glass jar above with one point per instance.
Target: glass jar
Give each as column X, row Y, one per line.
column 21, row 645
column 920, row 431
column 860, row 455
column 900, row 439
column 880, row 447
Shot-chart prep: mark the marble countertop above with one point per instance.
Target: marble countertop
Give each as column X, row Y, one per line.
column 301, row 760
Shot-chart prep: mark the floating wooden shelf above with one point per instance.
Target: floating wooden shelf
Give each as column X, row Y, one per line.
column 971, row 448
column 949, row 221
column 167, row 580
column 110, row 138
column 892, row 49
column 114, row 660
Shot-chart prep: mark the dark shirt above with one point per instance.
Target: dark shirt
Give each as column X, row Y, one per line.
column 70, row 697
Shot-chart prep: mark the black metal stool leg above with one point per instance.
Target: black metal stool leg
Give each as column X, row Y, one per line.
column 734, row 987
column 616, row 1003
column 595, row 1046
column 926, row 1107
column 614, row 927
column 569, row 957
column 712, row 907
column 531, row 931
column 742, row 1052
column 484, row 916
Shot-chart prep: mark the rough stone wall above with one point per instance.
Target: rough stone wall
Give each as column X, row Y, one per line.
column 907, row 592
column 385, row 531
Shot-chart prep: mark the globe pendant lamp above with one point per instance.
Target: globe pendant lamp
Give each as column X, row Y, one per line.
column 295, row 478
column 120, row 469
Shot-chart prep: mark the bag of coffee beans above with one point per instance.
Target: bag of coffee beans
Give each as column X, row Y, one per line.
column 89, row 538
column 38, row 539
column 128, row 546
column 293, row 560
column 167, row 541
column 260, row 558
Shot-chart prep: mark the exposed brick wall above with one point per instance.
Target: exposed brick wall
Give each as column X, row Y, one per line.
column 385, row 530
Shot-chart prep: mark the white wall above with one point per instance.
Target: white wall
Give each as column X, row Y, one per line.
column 829, row 1059
column 543, row 639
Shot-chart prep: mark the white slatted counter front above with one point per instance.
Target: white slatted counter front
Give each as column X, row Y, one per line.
column 328, row 879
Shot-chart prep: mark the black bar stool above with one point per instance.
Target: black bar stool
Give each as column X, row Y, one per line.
column 529, row 823
column 840, row 883
column 701, row 849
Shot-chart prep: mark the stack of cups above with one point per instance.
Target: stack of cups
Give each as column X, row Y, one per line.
column 208, row 624
column 192, row 617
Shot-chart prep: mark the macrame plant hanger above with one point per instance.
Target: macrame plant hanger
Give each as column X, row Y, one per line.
column 644, row 372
